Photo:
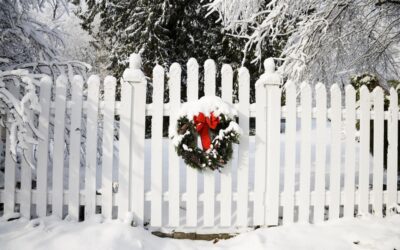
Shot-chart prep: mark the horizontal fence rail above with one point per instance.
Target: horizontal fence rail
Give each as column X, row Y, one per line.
column 252, row 109
column 314, row 155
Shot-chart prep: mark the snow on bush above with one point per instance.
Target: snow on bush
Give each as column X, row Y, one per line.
column 19, row 101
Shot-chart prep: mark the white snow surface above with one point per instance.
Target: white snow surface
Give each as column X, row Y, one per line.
column 206, row 105
column 50, row 233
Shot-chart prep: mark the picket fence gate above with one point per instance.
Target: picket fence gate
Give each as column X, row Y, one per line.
column 256, row 199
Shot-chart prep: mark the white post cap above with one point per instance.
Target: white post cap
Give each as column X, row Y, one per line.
column 134, row 74
column 270, row 76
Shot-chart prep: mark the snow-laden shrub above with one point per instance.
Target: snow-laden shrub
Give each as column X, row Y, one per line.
column 19, row 101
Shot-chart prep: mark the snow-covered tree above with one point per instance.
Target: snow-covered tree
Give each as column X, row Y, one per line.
column 163, row 31
column 32, row 51
column 326, row 40
column 24, row 38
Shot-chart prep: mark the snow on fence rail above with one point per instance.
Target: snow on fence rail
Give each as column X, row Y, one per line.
column 306, row 172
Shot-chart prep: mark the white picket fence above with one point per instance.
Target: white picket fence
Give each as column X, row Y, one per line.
column 243, row 194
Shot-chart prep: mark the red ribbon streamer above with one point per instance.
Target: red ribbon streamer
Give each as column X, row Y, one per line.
column 204, row 123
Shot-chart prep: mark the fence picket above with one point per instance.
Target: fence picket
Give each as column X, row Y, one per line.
column 157, row 147
column 210, row 71
column 336, row 123
column 260, row 153
column 392, row 150
column 273, row 155
column 26, row 171
column 173, row 167
column 243, row 156
column 305, row 152
column 290, row 153
column 108, row 147
column 320, row 147
column 75, row 147
column 124, row 150
column 9, row 178
column 91, row 145
column 26, row 179
column 192, row 80
column 364, row 158
column 350, row 131
column 10, row 167
column 43, row 146
column 377, row 188
column 58, row 153
column 226, row 173
column 209, row 176
column 137, row 150
column 191, row 173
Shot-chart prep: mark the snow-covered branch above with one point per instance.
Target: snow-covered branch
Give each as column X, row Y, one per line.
column 322, row 40
column 23, row 37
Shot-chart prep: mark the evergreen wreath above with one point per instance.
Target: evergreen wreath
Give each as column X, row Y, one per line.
column 213, row 121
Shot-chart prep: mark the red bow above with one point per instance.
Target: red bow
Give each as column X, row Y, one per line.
column 202, row 124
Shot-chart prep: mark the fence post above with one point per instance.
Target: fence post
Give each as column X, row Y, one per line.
column 272, row 81
column 136, row 78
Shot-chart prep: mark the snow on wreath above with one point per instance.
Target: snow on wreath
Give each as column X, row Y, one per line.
column 214, row 121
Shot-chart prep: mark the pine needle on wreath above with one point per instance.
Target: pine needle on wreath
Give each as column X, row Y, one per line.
column 213, row 121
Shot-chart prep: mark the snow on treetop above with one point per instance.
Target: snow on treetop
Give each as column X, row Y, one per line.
column 206, row 105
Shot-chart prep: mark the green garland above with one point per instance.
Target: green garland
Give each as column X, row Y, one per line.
column 220, row 151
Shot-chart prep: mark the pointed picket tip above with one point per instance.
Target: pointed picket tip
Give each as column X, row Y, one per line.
column 94, row 79
column 78, row 81
column 175, row 68
column 364, row 89
column 393, row 91
column 209, row 64
column 377, row 91
column 320, row 91
column 174, row 74
column 320, row 87
column 290, row 84
column 226, row 69
column 243, row 70
column 305, row 86
column 158, row 68
column 192, row 62
column 158, row 71
column 110, row 82
column 62, row 79
column 244, row 77
column 305, row 92
column 394, row 99
column 336, row 94
column 244, row 73
column 46, row 80
column 78, row 78
column 290, row 90
column 349, row 89
column 335, row 87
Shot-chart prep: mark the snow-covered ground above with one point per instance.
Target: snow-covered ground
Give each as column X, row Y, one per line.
column 50, row 233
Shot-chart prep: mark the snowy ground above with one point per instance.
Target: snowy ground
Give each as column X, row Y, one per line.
column 50, row 233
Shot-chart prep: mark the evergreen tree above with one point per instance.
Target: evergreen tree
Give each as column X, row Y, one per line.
column 163, row 31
